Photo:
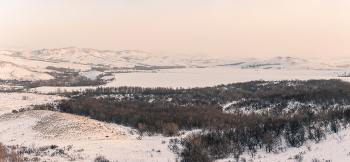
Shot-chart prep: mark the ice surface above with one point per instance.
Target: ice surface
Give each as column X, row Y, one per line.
column 202, row 77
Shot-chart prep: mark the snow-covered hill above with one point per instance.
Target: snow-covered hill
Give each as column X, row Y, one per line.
column 132, row 58
column 52, row 125
column 277, row 63
column 78, row 138
column 128, row 58
column 10, row 70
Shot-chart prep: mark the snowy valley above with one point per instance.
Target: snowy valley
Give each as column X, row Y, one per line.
column 81, row 104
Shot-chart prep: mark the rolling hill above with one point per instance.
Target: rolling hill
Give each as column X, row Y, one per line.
column 10, row 70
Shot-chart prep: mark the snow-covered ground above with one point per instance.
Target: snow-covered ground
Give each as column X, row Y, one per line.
column 93, row 74
column 15, row 101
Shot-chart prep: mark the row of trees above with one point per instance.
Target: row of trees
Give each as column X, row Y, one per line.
column 256, row 95
column 68, row 81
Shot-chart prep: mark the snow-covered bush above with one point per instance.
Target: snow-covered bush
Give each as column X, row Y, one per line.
column 100, row 158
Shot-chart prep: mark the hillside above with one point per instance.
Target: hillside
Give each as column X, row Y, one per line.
column 51, row 125
column 54, row 136
column 10, row 70
column 278, row 63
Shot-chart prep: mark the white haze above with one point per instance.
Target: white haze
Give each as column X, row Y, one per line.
column 231, row 28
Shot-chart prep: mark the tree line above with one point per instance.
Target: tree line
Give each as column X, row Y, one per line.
column 256, row 95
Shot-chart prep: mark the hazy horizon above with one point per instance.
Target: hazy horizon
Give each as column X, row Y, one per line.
column 226, row 28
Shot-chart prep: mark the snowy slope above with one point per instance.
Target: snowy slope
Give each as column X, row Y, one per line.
column 86, row 137
column 52, row 125
column 10, row 70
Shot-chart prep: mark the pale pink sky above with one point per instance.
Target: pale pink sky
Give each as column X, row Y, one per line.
column 235, row 28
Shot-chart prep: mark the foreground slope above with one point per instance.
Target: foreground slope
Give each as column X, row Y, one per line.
column 51, row 125
column 78, row 138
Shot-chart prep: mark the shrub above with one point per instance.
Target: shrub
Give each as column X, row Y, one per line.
column 100, row 158
column 316, row 160
column 53, row 146
column 170, row 129
column 299, row 157
column 269, row 141
column 335, row 126
column 15, row 156
column 195, row 149
column 317, row 134
column 3, row 152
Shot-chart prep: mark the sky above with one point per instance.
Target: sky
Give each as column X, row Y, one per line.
column 225, row 28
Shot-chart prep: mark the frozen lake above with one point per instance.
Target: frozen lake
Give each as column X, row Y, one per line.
column 202, row 77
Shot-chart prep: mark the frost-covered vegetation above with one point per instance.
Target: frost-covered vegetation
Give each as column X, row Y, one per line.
column 263, row 116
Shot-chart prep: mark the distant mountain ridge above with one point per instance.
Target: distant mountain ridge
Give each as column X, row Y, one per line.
column 144, row 60
column 127, row 58
column 86, row 56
